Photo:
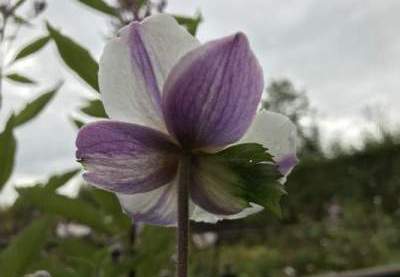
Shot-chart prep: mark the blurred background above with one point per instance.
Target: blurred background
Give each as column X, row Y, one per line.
column 332, row 67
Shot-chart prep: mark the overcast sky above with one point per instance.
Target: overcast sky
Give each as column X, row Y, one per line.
column 344, row 53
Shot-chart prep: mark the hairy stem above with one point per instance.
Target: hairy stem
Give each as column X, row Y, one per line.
column 183, row 216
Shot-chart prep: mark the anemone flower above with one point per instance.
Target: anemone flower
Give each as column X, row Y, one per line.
column 176, row 108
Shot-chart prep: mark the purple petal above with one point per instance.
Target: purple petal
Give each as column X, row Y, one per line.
column 126, row 158
column 211, row 96
column 134, row 66
column 213, row 189
column 156, row 207
column 141, row 61
column 286, row 163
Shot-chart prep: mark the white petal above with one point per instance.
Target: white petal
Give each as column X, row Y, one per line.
column 167, row 42
column 273, row 130
column 134, row 66
column 157, row 207
column 201, row 215
column 276, row 132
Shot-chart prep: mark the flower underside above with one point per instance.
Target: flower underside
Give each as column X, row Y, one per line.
column 169, row 97
column 129, row 159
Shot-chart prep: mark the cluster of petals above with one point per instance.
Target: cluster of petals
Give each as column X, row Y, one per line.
column 168, row 94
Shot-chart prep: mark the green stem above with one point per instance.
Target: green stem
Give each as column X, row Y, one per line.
column 183, row 216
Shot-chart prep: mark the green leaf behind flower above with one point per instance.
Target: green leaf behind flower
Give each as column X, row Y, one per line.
column 18, row 4
column 32, row 47
column 8, row 146
column 108, row 203
column 57, row 181
column 33, row 108
column 190, row 23
column 95, row 108
column 76, row 57
column 77, row 123
column 16, row 77
column 71, row 208
column 100, row 6
column 24, row 248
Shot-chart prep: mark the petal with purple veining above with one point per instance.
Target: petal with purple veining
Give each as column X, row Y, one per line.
column 286, row 163
column 156, row 207
column 211, row 96
column 126, row 158
column 134, row 66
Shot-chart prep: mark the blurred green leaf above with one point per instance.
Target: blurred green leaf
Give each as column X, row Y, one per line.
column 33, row 108
column 17, row 5
column 8, row 147
column 76, row 247
column 78, row 123
column 156, row 247
column 140, row 3
column 54, row 266
column 16, row 77
column 108, row 266
column 105, row 199
column 80, row 255
column 108, row 202
column 53, row 183
column 100, row 6
column 57, row 181
column 190, row 23
column 76, row 57
column 70, row 208
column 24, row 248
column 32, row 47
column 21, row 21
column 95, row 108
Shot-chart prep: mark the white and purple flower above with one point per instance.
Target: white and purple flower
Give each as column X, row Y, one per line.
column 166, row 95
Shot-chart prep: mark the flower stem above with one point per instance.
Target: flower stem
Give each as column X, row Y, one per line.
column 183, row 216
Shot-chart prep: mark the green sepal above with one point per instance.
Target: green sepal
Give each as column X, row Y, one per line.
column 254, row 174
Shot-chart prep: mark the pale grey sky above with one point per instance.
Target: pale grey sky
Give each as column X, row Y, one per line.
column 344, row 53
